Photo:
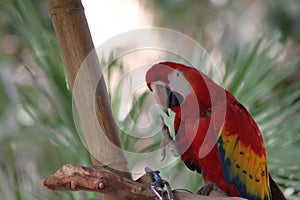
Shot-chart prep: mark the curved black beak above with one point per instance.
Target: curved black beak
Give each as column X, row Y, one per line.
column 175, row 99
column 166, row 98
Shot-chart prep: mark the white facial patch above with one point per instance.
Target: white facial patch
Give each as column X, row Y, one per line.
column 179, row 83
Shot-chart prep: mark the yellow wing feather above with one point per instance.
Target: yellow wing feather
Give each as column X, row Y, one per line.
column 242, row 166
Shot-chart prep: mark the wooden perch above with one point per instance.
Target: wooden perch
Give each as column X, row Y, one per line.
column 90, row 95
column 96, row 179
column 101, row 179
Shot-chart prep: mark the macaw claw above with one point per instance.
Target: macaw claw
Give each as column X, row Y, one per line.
column 169, row 142
column 208, row 187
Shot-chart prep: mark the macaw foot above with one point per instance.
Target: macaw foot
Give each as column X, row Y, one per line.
column 208, row 187
column 168, row 142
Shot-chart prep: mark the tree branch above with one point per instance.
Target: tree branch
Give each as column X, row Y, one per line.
column 101, row 179
column 96, row 179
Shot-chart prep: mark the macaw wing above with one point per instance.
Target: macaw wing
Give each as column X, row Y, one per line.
column 243, row 155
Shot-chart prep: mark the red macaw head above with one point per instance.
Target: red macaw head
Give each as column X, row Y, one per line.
column 173, row 84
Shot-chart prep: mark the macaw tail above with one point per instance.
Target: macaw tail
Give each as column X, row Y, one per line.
column 276, row 192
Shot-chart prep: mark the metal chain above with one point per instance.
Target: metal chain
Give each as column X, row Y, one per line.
column 159, row 184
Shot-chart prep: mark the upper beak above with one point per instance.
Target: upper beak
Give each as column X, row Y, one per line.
column 161, row 96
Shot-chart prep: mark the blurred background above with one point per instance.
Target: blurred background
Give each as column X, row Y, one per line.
column 255, row 42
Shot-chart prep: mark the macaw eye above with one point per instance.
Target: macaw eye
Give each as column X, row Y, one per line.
column 175, row 99
column 178, row 73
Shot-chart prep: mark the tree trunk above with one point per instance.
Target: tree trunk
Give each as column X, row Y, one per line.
column 89, row 89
